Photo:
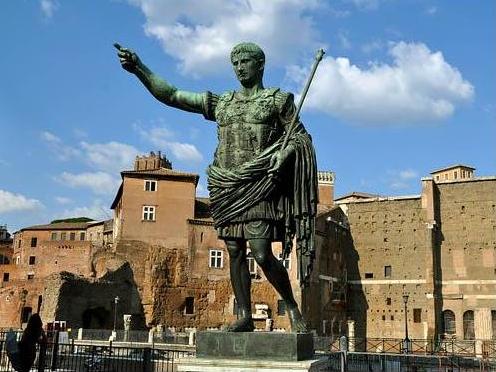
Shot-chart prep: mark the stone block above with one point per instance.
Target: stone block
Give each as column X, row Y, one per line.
column 236, row 365
column 254, row 345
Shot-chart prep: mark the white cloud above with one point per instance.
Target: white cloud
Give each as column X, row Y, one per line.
column 365, row 4
column 418, row 86
column 372, row 46
column 111, row 157
column 10, row 202
column 98, row 182
column 431, row 10
column 163, row 138
column 58, row 147
column 402, row 179
column 48, row 7
column 344, row 39
column 201, row 35
column 63, row 200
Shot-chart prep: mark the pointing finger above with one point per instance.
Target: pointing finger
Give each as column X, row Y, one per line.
column 117, row 46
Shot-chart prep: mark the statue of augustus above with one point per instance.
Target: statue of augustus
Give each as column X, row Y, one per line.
column 262, row 187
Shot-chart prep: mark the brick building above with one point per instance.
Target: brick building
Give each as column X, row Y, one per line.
column 438, row 247
column 38, row 252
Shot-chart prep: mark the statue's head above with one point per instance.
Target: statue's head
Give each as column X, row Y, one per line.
column 248, row 61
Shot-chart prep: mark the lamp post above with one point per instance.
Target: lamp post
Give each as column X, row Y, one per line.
column 116, row 300
column 406, row 341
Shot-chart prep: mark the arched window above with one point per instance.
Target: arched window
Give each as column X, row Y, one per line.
column 449, row 323
column 468, row 325
column 493, row 321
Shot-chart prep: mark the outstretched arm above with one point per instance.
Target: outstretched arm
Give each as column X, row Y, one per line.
column 158, row 87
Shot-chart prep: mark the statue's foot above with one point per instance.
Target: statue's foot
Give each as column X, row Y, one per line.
column 241, row 325
column 298, row 324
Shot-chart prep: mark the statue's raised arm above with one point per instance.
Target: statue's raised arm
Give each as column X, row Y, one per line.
column 159, row 87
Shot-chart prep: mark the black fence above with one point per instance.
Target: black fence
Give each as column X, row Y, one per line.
column 93, row 358
column 373, row 362
column 134, row 336
column 485, row 349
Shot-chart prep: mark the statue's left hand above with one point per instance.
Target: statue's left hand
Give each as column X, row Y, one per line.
column 277, row 162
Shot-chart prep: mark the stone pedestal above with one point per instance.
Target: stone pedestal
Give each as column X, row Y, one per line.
column 237, row 365
column 253, row 351
column 271, row 346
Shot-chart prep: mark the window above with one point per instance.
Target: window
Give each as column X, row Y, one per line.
column 150, row 185
column 189, row 305
column 26, row 314
column 493, row 323
column 449, row 323
column 456, row 175
column 387, row 271
column 252, row 265
column 417, row 315
column 148, row 213
column 30, row 276
column 392, row 317
column 32, row 260
column 281, row 307
column 72, row 236
column 53, row 236
column 6, row 277
column 34, row 242
column 63, row 236
column 388, row 301
column 82, row 236
column 468, row 325
column 437, row 178
column 17, row 260
column 369, row 275
column 286, row 262
column 4, row 260
column 384, row 317
column 216, row 259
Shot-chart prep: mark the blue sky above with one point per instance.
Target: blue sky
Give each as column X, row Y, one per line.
column 406, row 87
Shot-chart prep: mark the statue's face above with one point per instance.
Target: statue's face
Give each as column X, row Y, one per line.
column 246, row 68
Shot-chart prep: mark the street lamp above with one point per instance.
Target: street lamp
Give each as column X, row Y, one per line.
column 406, row 341
column 116, row 300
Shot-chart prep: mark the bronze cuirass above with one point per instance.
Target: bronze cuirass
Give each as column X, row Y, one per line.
column 246, row 127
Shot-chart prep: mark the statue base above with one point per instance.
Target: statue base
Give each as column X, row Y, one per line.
column 237, row 365
column 272, row 346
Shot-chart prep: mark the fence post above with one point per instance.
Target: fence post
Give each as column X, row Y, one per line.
column 343, row 347
column 42, row 356
column 55, row 351
column 147, row 359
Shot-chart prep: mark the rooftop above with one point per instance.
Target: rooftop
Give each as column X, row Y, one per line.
column 451, row 167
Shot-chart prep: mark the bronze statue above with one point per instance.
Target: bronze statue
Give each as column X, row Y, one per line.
column 262, row 182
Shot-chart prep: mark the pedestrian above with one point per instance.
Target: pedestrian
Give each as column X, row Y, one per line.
column 32, row 335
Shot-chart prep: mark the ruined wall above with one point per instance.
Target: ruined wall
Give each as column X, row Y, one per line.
column 393, row 256
column 89, row 302
column 467, row 221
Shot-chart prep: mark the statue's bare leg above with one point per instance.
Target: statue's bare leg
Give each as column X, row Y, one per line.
column 241, row 284
column 277, row 275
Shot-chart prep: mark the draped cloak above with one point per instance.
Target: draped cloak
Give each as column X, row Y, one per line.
column 235, row 190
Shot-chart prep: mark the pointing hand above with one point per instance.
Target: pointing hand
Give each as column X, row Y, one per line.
column 129, row 60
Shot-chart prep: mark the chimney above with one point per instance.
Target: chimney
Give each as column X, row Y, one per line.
column 326, row 187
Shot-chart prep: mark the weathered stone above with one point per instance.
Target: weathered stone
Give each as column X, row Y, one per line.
column 254, row 345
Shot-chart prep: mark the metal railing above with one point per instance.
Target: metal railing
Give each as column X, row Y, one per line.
column 357, row 362
column 448, row 347
column 53, row 356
